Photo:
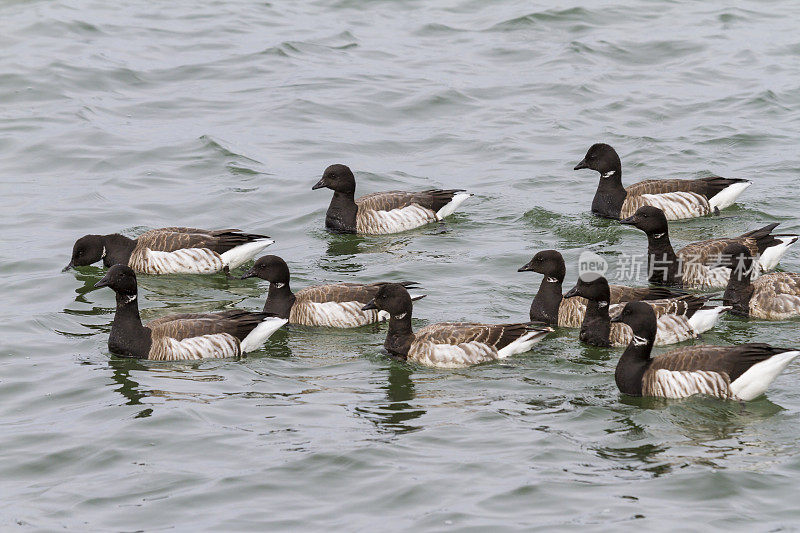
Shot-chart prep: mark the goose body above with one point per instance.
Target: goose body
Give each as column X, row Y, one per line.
column 180, row 336
column 336, row 305
column 677, row 198
column 774, row 296
column 678, row 319
column 741, row 372
column 549, row 305
column 695, row 265
column 449, row 345
column 172, row 250
column 383, row 212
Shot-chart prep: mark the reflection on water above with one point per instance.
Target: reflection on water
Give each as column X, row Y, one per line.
column 394, row 415
column 121, row 374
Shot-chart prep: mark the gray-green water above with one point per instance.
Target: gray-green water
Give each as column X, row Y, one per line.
column 126, row 116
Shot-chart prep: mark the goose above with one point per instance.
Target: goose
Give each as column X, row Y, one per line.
column 383, row 212
column 172, row 250
column 679, row 319
column 678, row 198
column 774, row 296
column 449, row 345
column 693, row 266
column 740, row 372
column 180, row 336
column 334, row 305
column 550, row 307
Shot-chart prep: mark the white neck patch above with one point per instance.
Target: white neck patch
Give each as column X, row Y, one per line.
column 400, row 316
column 104, row 252
column 602, row 304
column 609, row 174
column 639, row 341
column 279, row 285
column 658, row 235
column 129, row 299
column 550, row 280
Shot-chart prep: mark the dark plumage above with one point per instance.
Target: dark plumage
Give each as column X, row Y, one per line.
column 383, row 212
column 550, row 307
column 172, row 250
column 741, row 372
column 180, row 336
column 449, row 345
column 333, row 305
column 678, row 198
column 692, row 265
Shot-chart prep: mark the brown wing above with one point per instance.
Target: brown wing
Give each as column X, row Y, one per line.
column 709, row 251
column 708, row 187
column 622, row 293
column 187, row 325
column 496, row 335
column 177, row 238
column 433, row 199
column 683, row 305
column 732, row 361
column 776, row 296
column 344, row 292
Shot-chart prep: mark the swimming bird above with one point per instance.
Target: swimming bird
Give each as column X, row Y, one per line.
column 679, row 319
column 550, row 307
column 453, row 344
column 678, row 198
column 180, row 336
column 335, row 305
column 774, row 296
column 740, row 372
column 383, row 212
column 694, row 265
column 172, row 250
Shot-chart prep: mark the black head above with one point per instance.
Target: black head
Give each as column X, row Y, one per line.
column 547, row 262
column 392, row 298
column 121, row 279
column 640, row 317
column 337, row 177
column 592, row 288
column 602, row 158
column 86, row 251
column 269, row 268
column 649, row 219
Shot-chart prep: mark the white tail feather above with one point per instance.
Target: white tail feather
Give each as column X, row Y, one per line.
column 417, row 296
column 755, row 381
column 727, row 196
column 236, row 257
column 450, row 207
column 705, row 319
column 256, row 338
column 523, row 344
column 772, row 255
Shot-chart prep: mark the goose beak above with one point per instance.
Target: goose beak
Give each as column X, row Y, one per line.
column 370, row 305
column 528, row 267
column 572, row 292
column 68, row 267
column 249, row 274
column 581, row 165
column 320, row 184
column 103, row 282
column 630, row 221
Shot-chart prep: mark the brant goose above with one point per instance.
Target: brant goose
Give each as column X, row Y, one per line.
column 740, row 372
column 774, row 296
column 171, row 250
column 335, row 305
column 449, row 345
column 383, row 212
column 693, row 265
column 678, row 198
column 551, row 308
column 679, row 319
column 180, row 336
